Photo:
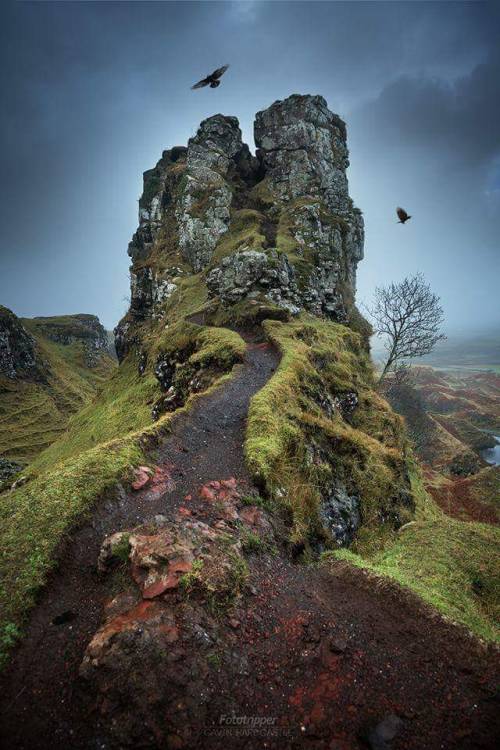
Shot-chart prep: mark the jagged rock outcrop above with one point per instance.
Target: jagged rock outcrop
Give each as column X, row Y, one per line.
column 279, row 226
column 246, row 274
column 18, row 358
column 203, row 207
column 76, row 329
column 302, row 147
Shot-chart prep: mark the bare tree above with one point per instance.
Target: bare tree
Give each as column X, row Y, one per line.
column 409, row 316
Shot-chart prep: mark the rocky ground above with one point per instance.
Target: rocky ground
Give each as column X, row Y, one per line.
column 196, row 628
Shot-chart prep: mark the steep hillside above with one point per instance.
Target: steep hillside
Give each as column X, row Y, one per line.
column 49, row 368
column 200, row 509
column 453, row 417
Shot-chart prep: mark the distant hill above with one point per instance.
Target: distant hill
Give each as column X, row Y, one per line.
column 49, row 368
column 468, row 351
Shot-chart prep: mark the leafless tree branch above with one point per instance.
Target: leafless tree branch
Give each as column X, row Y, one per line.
column 409, row 316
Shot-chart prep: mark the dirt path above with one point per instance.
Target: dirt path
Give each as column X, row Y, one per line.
column 329, row 657
column 40, row 700
column 322, row 656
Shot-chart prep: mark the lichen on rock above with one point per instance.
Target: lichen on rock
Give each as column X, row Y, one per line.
column 18, row 357
column 279, row 226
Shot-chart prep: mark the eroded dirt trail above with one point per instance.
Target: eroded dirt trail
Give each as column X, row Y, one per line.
column 41, row 704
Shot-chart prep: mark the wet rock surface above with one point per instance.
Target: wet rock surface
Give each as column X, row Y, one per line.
column 8, row 469
column 18, row 358
column 203, row 209
column 311, row 236
column 340, row 514
column 251, row 273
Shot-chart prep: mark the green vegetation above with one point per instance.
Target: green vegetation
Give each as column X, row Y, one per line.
column 452, row 565
column 217, row 578
column 34, row 414
column 121, row 550
column 246, row 234
column 251, row 542
column 121, row 408
column 35, row 518
column 295, row 449
column 100, row 447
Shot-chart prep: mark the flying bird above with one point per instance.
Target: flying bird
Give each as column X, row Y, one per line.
column 402, row 215
column 212, row 80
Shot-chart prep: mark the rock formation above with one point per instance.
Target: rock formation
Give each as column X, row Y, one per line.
column 76, row 329
column 17, row 349
column 278, row 227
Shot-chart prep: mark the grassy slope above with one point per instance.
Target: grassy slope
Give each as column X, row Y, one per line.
column 102, row 444
column 451, row 564
column 33, row 415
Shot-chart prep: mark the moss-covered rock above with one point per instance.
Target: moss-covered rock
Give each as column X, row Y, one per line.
column 323, row 442
column 18, row 356
column 280, row 226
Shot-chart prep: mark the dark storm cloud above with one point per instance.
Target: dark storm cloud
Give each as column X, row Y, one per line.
column 460, row 118
column 93, row 92
column 434, row 146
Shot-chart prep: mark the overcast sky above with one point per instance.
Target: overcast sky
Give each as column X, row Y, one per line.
column 93, row 92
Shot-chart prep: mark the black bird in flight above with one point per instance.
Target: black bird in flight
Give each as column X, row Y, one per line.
column 402, row 215
column 212, row 80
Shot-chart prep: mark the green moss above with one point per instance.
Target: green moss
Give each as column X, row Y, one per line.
column 261, row 195
column 36, row 517
column 247, row 313
column 245, row 234
column 287, row 422
column 121, row 550
column 452, row 565
column 217, row 578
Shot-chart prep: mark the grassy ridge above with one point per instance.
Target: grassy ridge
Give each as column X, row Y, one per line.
column 288, row 422
column 451, row 564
